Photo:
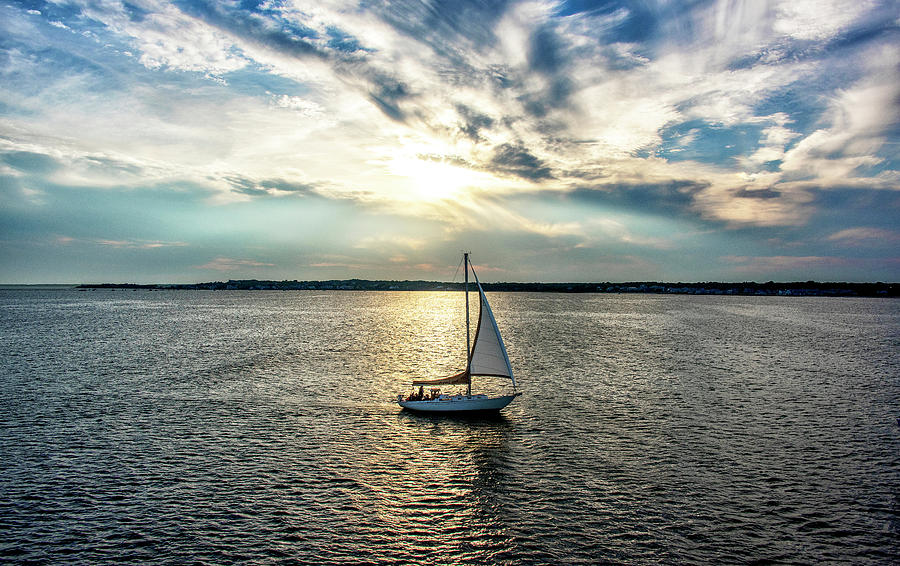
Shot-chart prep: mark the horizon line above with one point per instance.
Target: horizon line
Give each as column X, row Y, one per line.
column 434, row 281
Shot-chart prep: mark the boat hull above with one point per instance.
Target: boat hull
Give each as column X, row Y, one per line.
column 459, row 404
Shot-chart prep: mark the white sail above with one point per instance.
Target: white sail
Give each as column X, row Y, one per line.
column 488, row 355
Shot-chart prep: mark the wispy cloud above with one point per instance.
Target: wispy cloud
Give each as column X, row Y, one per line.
column 226, row 264
column 143, row 245
column 385, row 241
column 121, row 244
column 792, row 264
column 865, row 237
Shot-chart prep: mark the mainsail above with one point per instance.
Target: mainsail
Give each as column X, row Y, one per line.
column 461, row 378
column 488, row 351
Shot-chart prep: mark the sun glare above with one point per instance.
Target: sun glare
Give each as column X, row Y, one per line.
column 431, row 179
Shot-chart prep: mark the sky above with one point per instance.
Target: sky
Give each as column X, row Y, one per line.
column 694, row 140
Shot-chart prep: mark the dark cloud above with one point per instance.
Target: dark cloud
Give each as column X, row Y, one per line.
column 282, row 35
column 256, row 22
column 507, row 160
column 343, row 51
column 388, row 94
column 288, row 186
column 757, row 193
column 135, row 12
column 516, row 160
column 30, row 162
column 444, row 23
column 247, row 188
column 545, row 52
column 344, row 42
column 549, row 56
column 667, row 198
column 40, row 165
column 560, row 90
column 855, row 206
column 265, row 188
column 473, row 122
column 879, row 24
column 450, row 30
column 388, row 107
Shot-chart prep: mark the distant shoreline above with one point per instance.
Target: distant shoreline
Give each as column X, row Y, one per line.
column 794, row 289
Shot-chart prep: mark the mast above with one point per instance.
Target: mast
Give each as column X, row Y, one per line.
column 468, row 352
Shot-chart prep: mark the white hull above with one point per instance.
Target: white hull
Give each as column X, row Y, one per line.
column 459, row 403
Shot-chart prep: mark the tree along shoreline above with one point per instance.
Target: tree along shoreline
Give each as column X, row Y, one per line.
column 771, row 288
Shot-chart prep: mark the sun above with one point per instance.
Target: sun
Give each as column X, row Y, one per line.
column 433, row 179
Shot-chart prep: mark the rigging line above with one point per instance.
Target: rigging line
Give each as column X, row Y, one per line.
column 457, row 271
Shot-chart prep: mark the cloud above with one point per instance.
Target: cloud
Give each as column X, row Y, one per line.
column 135, row 244
column 816, row 20
column 676, row 196
column 390, row 242
column 472, row 122
column 226, row 264
column 121, row 244
column 26, row 161
column 729, row 116
column 747, row 205
column 768, row 264
column 168, row 37
column 66, row 165
column 268, row 187
column 401, row 68
column 307, row 108
column 516, row 160
column 860, row 119
column 859, row 237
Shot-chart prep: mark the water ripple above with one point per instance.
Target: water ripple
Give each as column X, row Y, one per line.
column 168, row 427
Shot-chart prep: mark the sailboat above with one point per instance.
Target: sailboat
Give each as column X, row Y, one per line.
column 485, row 357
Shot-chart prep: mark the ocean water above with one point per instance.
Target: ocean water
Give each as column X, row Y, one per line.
column 221, row 427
